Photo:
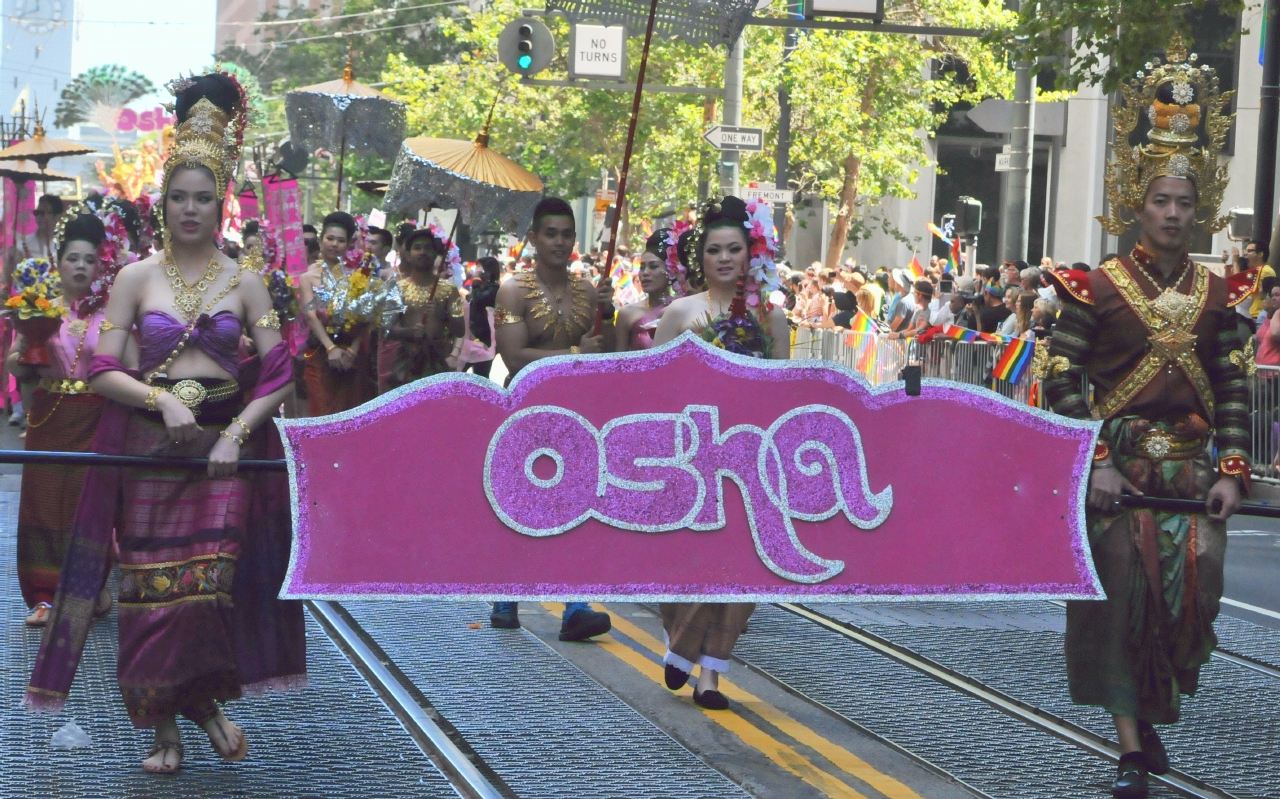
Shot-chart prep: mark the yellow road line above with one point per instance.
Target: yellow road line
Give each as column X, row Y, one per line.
column 777, row 751
column 842, row 758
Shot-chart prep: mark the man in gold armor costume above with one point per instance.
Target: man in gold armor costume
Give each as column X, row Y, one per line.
column 1155, row 335
column 540, row 313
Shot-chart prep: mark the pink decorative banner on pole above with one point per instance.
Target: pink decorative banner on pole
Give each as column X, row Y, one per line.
column 686, row 473
column 19, row 209
column 283, row 208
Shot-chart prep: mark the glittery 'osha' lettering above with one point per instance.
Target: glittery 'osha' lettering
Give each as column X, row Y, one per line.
column 548, row 470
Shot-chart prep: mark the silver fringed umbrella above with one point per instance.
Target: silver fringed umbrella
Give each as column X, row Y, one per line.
column 482, row 184
column 345, row 114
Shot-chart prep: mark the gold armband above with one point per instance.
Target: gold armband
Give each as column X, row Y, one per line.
column 106, row 326
column 269, row 321
column 504, row 317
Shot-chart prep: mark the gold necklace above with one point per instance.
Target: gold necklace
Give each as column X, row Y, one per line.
column 1140, row 258
column 187, row 297
column 415, row 296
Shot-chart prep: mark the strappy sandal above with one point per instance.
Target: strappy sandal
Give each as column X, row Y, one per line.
column 160, row 747
column 38, row 619
column 241, row 751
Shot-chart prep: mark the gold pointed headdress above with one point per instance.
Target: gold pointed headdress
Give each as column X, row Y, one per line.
column 208, row 137
column 1179, row 99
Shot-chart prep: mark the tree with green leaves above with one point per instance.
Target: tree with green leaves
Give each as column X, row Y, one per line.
column 863, row 102
column 98, row 94
column 1103, row 42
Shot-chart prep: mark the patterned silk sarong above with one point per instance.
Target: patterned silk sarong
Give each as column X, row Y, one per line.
column 50, row 494
column 1137, row 652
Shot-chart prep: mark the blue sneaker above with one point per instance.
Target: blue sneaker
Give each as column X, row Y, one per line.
column 505, row 616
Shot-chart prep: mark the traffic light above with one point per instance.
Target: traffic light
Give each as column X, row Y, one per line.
column 968, row 216
column 526, row 46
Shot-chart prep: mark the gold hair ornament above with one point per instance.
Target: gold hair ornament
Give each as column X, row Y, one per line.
column 1176, row 147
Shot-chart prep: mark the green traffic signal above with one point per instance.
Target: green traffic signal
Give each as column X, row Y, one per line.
column 525, row 61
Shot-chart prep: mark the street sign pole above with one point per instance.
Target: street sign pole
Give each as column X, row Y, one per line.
column 731, row 116
column 790, row 39
column 1016, row 213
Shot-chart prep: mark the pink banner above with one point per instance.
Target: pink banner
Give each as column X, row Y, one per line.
column 19, row 210
column 280, row 200
column 249, row 205
column 685, row 473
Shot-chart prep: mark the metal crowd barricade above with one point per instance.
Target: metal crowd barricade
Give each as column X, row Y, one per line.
column 972, row 363
column 1264, row 413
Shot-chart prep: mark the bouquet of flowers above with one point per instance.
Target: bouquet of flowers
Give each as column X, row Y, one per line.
column 741, row 334
column 267, row 260
column 36, row 285
column 354, row 301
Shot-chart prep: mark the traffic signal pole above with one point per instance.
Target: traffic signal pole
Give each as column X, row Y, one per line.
column 1264, row 190
column 783, row 159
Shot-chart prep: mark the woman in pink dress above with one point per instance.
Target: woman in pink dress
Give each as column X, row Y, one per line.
column 661, row 278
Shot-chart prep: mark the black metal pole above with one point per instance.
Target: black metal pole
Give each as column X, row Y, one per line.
column 1268, row 117
column 783, row 163
column 38, row 458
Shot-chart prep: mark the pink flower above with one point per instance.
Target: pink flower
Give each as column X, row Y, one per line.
column 753, row 300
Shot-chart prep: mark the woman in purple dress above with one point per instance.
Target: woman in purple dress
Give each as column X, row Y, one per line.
column 202, row 554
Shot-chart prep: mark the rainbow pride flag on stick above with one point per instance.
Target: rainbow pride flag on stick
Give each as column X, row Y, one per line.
column 1013, row 363
column 916, row 270
column 937, row 231
column 861, row 323
column 953, row 258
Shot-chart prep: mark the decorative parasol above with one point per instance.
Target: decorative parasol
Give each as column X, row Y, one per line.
column 344, row 114
column 482, row 184
column 378, row 187
column 42, row 150
column 23, row 171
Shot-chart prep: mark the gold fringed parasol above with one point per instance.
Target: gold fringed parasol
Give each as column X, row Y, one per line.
column 482, row 184
column 42, row 150
column 23, row 171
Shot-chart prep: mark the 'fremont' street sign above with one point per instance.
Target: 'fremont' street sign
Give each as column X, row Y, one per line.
column 771, row 196
column 723, row 137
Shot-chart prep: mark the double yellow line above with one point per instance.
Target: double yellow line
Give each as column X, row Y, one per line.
column 762, row 740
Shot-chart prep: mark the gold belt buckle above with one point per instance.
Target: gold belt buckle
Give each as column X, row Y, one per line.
column 189, row 393
column 1155, row 444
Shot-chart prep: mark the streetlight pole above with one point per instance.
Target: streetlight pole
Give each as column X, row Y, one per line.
column 783, row 162
column 1016, row 208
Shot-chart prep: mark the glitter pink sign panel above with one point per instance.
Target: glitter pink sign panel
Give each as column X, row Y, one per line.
column 685, row 473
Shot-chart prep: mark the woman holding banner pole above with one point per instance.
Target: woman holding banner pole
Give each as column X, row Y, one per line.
column 202, row 555
column 733, row 258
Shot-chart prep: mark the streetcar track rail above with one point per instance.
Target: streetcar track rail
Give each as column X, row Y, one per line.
column 440, row 741
column 1177, row 781
column 1234, row 658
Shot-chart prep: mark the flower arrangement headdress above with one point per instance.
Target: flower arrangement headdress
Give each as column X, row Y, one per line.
column 756, row 216
column 122, row 226
column 677, row 268
column 1179, row 99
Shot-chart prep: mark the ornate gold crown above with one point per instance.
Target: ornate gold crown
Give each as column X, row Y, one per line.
column 1176, row 96
column 207, row 138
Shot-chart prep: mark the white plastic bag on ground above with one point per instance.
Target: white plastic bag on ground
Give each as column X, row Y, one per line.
column 70, row 736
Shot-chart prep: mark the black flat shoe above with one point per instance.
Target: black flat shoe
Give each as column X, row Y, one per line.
column 1131, row 781
column 1153, row 748
column 675, row 678
column 711, row 700
column 585, row 624
column 507, row 618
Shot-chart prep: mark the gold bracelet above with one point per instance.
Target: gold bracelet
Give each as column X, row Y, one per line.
column 575, row 350
column 152, row 398
column 330, row 347
column 239, row 441
column 243, row 427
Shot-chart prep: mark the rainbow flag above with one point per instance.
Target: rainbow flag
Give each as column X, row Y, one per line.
column 625, row 289
column 937, row 231
column 861, row 323
column 916, row 270
column 1013, row 364
column 953, row 258
column 961, row 333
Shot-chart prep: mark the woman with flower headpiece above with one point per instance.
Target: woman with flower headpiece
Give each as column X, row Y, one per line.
column 337, row 372
column 64, row 409
column 662, row 279
column 201, row 554
column 421, row 338
column 1154, row 336
column 733, row 257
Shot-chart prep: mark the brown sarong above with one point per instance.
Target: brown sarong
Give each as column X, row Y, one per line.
column 50, row 494
column 332, row 391
column 703, row 633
